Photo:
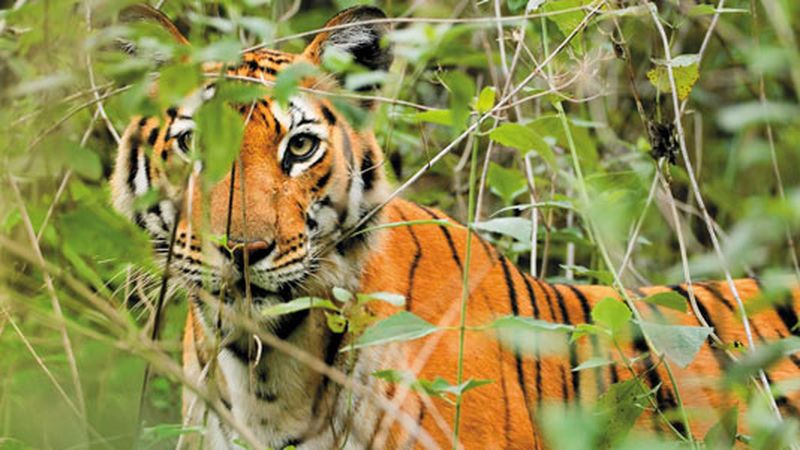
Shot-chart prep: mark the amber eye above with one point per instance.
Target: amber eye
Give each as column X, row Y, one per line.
column 302, row 146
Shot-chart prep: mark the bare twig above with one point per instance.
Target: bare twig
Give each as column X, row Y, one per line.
column 701, row 203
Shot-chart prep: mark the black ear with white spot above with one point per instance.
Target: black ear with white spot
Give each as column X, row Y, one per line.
column 364, row 41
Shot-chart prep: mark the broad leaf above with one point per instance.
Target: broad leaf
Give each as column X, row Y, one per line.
column 289, row 79
column 680, row 343
column 618, row 409
column 685, row 71
column 524, row 138
column 612, row 313
column 388, row 297
column 485, row 100
column 669, row 299
column 403, row 326
column 593, row 362
column 219, row 132
column 298, row 304
column 517, row 227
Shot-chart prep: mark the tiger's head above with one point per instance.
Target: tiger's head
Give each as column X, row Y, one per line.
column 304, row 175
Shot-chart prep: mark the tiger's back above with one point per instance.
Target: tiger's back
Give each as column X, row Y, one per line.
column 426, row 262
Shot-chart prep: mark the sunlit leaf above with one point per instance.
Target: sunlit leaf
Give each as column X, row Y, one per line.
column 684, row 70
column 403, row 326
column 679, row 343
column 517, row 227
column 618, row 409
column 485, row 100
column 669, row 299
column 298, row 304
column 612, row 313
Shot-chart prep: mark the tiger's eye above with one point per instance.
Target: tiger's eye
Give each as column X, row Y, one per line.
column 302, row 145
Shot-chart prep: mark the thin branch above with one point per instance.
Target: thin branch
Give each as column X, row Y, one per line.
column 701, row 203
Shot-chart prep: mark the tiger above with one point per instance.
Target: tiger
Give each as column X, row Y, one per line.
column 305, row 178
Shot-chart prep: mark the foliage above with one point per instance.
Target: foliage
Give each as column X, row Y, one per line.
column 604, row 100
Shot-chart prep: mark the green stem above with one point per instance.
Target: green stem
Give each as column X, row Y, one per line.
column 465, row 288
column 607, row 260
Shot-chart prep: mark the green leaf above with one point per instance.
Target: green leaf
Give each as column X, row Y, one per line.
column 722, row 436
column 518, row 228
column 524, row 138
column 612, row 313
column 298, row 304
column 437, row 116
column 85, row 162
column 618, row 409
column 485, row 99
column 388, row 297
column 506, row 183
column 403, row 326
column 441, row 386
column 516, row 6
column 343, row 295
column 528, row 323
column 709, row 10
column 593, row 362
column 222, row 51
column 219, row 132
column 102, row 234
column 336, row 322
column 679, row 343
column 178, row 81
column 532, row 336
column 604, row 276
column 567, row 21
column 289, row 79
column 434, row 388
column 462, row 89
column 685, row 71
column 671, row 300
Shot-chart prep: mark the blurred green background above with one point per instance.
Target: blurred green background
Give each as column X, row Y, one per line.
column 67, row 93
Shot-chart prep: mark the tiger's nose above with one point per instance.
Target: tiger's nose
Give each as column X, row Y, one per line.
column 250, row 251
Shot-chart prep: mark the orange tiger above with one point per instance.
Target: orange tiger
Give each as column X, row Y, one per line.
column 304, row 177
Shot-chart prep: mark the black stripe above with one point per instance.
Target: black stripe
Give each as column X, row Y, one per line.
column 322, row 181
column 717, row 294
column 133, row 161
column 587, row 317
column 288, row 323
column 788, row 315
column 412, row 269
column 328, row 115
column 368, row 169
column 512, row 296
column 549, row 300
column 447, row 236
column 537, row 355
column 573, row 348
column 153, row 136
column 331, row 351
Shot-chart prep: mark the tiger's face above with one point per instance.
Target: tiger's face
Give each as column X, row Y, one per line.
column 304, row 175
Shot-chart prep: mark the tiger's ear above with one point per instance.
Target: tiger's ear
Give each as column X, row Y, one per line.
column 362, row 41
column 146, row 13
